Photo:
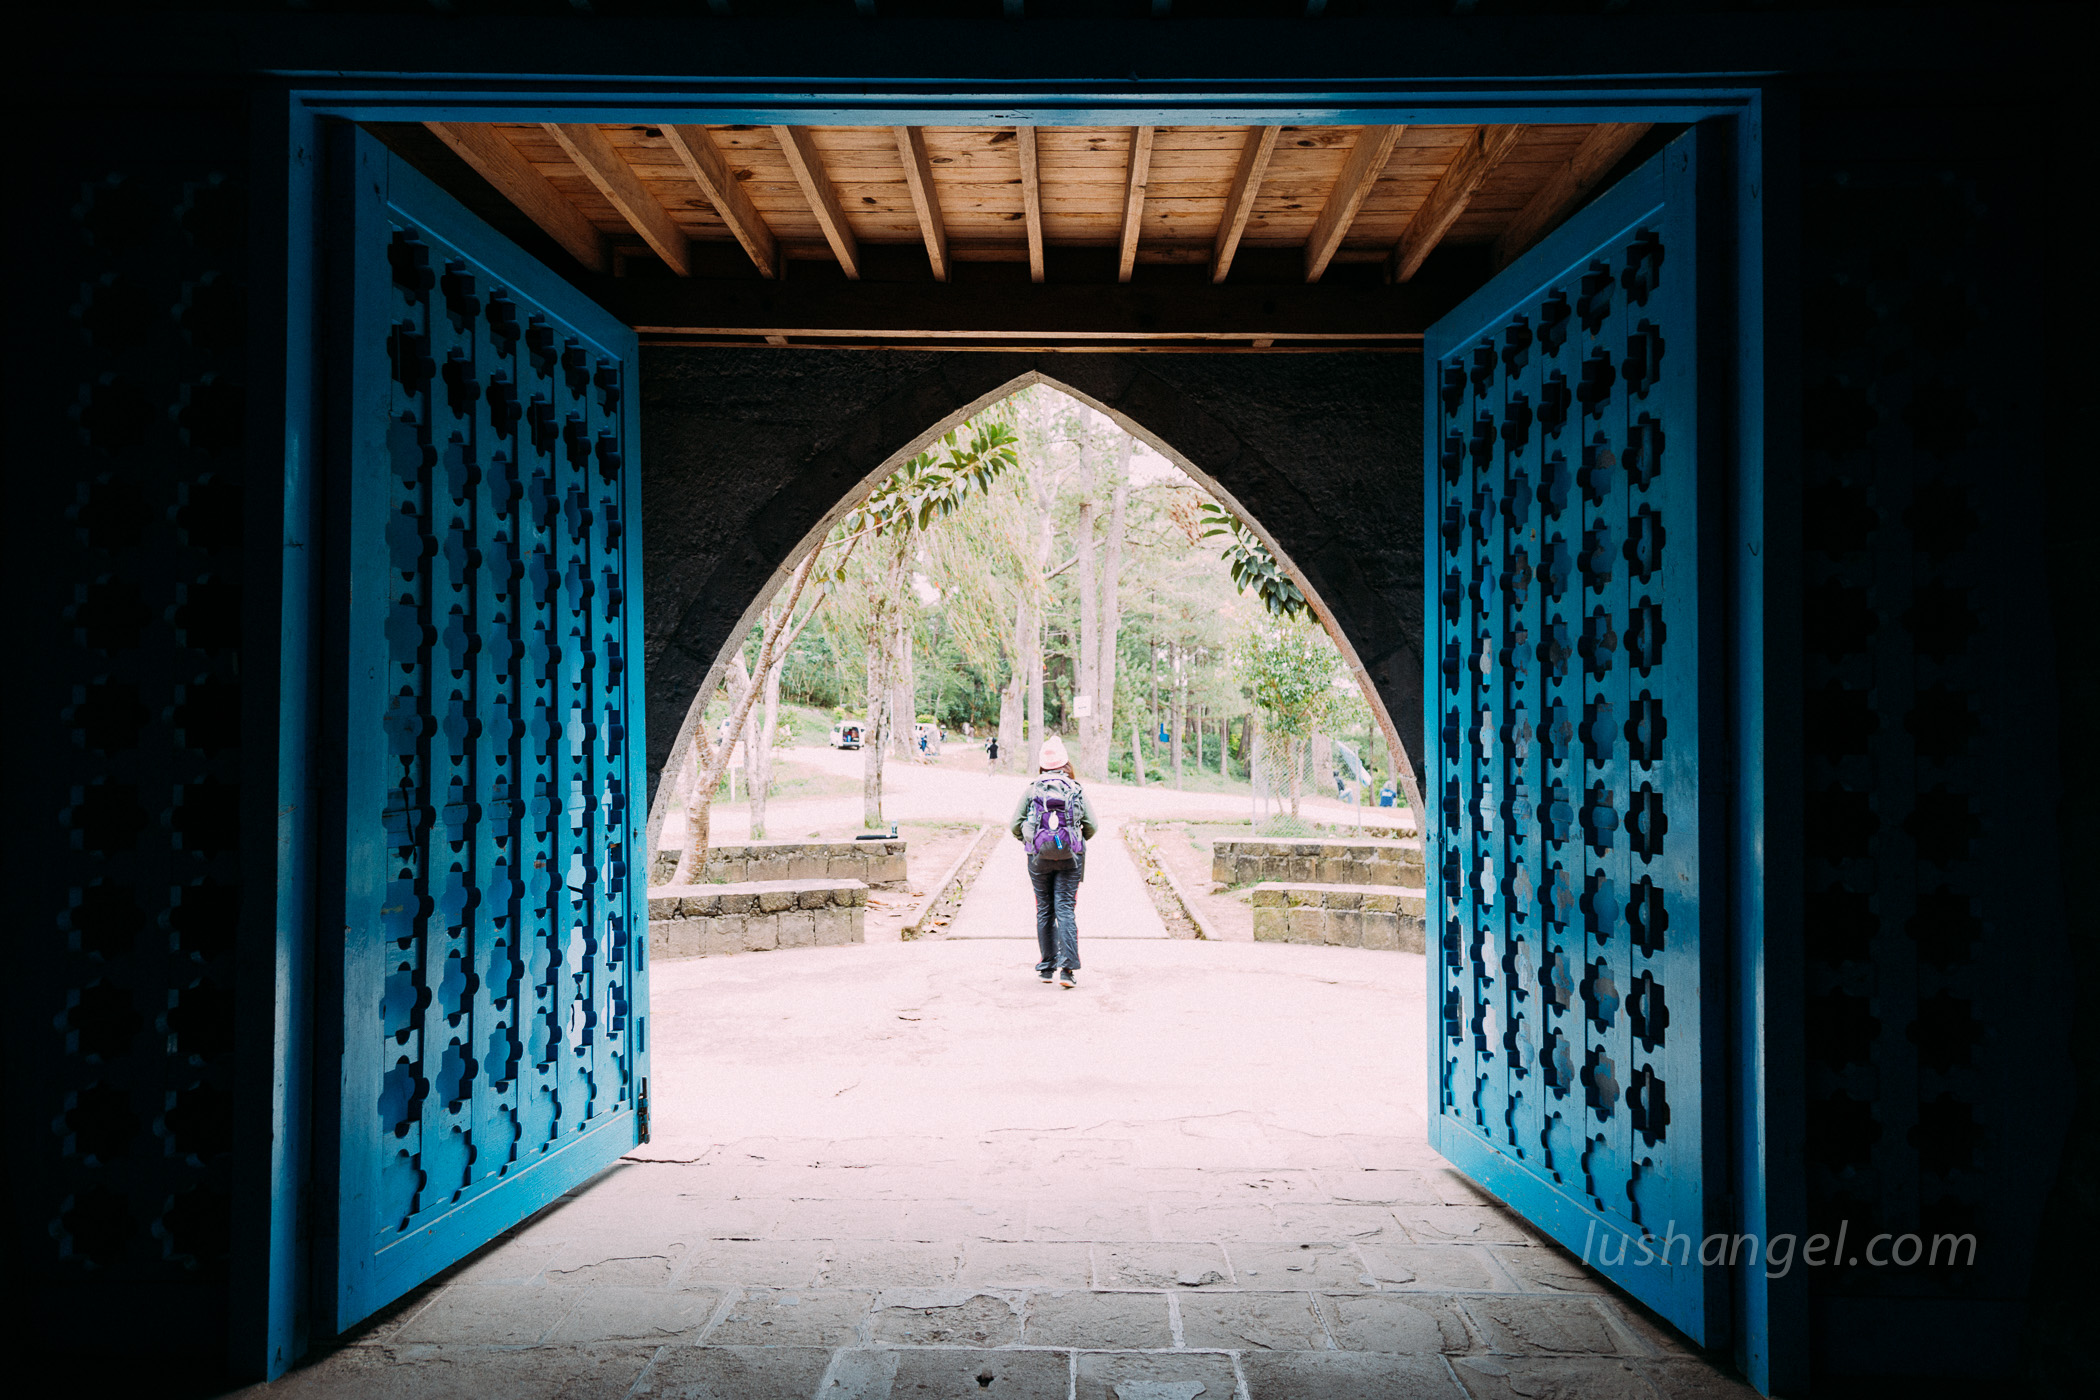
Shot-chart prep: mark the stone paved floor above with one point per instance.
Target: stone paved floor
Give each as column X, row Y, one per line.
column 908, row 1170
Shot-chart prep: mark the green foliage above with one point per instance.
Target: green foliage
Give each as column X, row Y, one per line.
column 936, row 483
column 1253, row 567
column 1289, row 672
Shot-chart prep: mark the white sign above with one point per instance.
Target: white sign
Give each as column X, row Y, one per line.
column 1082, row 706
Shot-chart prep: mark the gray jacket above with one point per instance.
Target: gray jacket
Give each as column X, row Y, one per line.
column 1077, row 796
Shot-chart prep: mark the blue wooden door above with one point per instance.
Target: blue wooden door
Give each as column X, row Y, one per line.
column 484, row 700
column 1577, row 1023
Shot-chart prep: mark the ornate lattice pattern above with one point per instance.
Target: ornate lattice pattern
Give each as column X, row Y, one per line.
column 135, row 866
column 1566, row 900
column 1935, row 1031
column 504, row 1023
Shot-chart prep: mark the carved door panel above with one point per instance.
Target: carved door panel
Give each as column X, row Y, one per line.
column 483, row 712
column 1575, row 902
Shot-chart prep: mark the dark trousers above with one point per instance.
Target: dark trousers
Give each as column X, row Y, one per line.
column 1056, row 922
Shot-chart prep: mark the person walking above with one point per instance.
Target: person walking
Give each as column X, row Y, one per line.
column 1053, row 823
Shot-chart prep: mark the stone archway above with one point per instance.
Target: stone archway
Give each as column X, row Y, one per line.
column 749, row 456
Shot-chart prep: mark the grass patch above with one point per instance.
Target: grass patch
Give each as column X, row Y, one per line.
column 790, row 780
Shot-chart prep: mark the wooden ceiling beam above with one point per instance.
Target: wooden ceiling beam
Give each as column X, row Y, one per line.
column 703, row 161
column 1374, row 146
column 623, row 189
column 1134, row 198
column 1476, row 160
column 918, row 175
column 1140, row 312
column 807, row 163
column 495, row 160
column 1239, row 200
column 1031, row 199
column 1600, row 151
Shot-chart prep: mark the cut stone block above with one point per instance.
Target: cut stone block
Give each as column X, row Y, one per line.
column 1250, row 860
column 956, row 1318
column 729, row 1373
column 780, row 1317
column 1100, row 1321
column 877, row 863
column 714, row 920
column 1125, row 1375
column 1386, row 917
column 1236, row 1321
column 797, row 928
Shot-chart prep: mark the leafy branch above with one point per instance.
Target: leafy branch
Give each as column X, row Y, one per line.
column 1253, row 567
column 937, row 483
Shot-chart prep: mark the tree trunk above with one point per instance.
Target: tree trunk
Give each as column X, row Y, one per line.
column 1087, row 665
column 896, row 641
column 872, row 738
column 1137, row 757
column 1034, row 745
column 1013, row 699
column 1010, row 720
column 1177, row 710
column 1046, row 505
column 904, row 691
column 1258, row 780
column 700, row 805
column 1293, row 761
column 1152, row 734
column 760, row 774
column 1110, row 614
column 752, row 787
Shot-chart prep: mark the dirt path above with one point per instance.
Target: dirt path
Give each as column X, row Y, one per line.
column 1112, row 899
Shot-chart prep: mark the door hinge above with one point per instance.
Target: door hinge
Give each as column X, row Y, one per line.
column 641, row 1111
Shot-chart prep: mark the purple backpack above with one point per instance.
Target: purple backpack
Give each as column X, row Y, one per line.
column 1053, row 836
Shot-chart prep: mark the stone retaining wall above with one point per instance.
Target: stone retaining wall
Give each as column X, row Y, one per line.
column 755, row 916
column 1384, row 917
column 1254, row 860
column 877, row 864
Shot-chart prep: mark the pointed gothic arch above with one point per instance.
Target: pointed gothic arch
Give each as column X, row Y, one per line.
column 752, row 456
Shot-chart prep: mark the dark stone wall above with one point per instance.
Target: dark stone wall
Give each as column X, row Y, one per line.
column 746, row 452
column 126, row 367
column 1939, row 996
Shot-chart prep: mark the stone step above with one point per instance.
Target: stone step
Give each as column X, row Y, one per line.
column 755, row 916
column 1385, row 917
column 878, row 864
column 1253, row 860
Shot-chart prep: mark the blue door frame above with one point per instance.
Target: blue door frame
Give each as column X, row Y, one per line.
column 1575, row 838
column 1768, row 1317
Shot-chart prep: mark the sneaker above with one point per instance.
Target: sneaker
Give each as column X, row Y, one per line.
column 1046, row 974
column 1068, row 977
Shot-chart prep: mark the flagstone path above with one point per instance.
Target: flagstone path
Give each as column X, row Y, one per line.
column 911, row 1170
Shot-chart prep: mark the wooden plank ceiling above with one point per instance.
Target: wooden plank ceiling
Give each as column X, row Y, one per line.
column 620, row 196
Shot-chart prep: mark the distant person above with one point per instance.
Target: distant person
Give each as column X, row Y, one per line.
column 991, row 750
column 1053, row 824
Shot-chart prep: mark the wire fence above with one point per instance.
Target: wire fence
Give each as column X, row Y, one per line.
column 1311, row 779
